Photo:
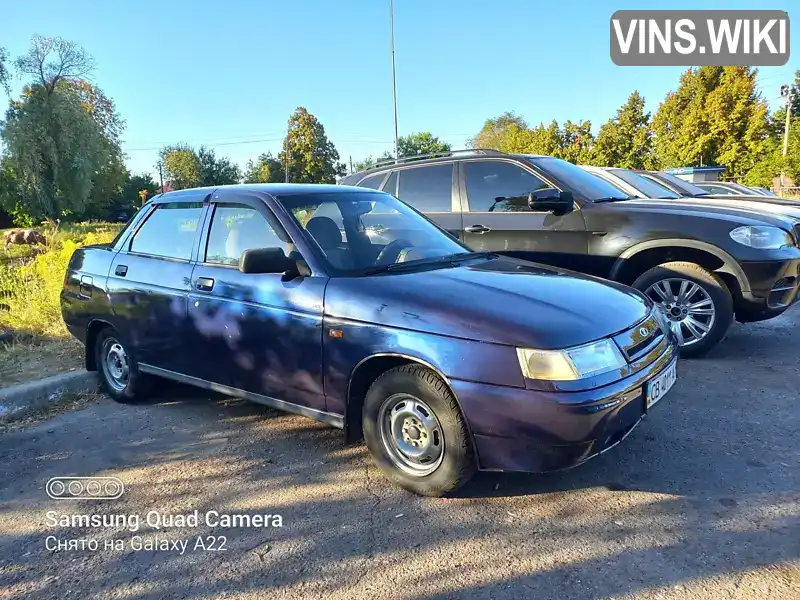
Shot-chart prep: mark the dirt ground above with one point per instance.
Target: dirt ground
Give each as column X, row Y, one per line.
column 702, row 501
column 22, row 361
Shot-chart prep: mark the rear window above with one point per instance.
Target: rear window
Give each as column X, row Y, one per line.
column 428, row 189
column 169, row 231
column 373, row 181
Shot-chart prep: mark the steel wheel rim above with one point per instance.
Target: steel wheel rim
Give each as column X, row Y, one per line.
column 116, row 367
column 689, row 308
column 411, row 435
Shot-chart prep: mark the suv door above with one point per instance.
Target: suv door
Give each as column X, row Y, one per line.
column 149, row 282
column 432, row 190
column 254, row 332
column 497, row 216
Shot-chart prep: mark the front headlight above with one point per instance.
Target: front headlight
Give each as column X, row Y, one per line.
column 573, row 363
column 762, row 237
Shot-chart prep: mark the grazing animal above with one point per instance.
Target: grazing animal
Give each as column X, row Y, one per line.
column 30, row 237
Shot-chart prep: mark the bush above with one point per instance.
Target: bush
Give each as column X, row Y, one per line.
column 31, row 286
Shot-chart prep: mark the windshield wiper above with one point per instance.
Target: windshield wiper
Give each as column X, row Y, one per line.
column 450, row 259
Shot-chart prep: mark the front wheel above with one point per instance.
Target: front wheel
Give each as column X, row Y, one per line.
column 696, row 301
column 416, row 433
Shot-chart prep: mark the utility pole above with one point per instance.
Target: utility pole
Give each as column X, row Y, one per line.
column 394, row 79
column 786, row 92
column 161, row 176
column 287, row 158
column 351, row 164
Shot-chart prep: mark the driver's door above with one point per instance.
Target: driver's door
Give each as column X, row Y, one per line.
column 497, row 216
column 254, row 332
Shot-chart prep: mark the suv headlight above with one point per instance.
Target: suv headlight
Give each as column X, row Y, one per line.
column 765, row 238
column 573, row 363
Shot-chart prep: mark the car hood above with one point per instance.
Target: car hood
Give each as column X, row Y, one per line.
column 780, row 206
column 735, row 211
column 502, row 300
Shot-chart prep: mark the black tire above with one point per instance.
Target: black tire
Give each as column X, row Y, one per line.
column 713, row 286
column 457, row 457
column 135, row 385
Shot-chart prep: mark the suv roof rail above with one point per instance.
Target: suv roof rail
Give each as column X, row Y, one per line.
column 445, row 153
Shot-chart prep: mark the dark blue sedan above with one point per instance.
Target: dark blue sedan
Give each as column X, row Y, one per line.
column 347, row 306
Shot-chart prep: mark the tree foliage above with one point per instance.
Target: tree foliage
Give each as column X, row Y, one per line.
column 420, row 143
column 312, row 157
column 626, row 140
column 265, row 169
column 181, row 165
column 5, row 74
column 217, row 171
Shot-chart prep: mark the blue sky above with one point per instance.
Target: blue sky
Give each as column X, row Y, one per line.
column 229, row 74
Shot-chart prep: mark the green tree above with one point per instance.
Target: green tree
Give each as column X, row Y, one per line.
column 545, row 140
column 312, row 157
column 181, row 166
column 217, row 171
column 420, row 143
column 5, row 74
column 716, row 116
column 576, row 142
column 55, row 146
column 265, row 169
column 497, row 133
column 626, row 140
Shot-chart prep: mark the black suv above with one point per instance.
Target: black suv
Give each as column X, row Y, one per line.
column 704, row 264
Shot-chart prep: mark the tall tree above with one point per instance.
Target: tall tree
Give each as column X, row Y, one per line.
column 626, row 140
column 5, row 74
column 496, row 132
column 421, row 143
column 217, row 171
column 576, row 142
column 54, row 144
column 312, row 157
column 369, row 162
column 716, row 116
column 265, row 169
column 181, row 165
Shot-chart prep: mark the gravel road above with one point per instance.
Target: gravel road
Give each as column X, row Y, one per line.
column 701, row 501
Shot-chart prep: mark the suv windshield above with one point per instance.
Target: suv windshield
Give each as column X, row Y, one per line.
column 578, row 180
column 648, row 187
column 358, row 232
column 684, row 187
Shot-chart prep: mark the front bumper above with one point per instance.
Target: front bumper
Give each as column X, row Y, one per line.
column 773, row 287
column 525, row 430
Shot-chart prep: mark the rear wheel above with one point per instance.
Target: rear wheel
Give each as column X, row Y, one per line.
column 697, row 303
column 119, row 372
column 416, row 433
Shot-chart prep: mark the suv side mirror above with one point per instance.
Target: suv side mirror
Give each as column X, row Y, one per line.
column 550, row 200
column 265, row 260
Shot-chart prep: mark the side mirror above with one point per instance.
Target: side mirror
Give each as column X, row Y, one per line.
column 266, row 260
column 550, row 200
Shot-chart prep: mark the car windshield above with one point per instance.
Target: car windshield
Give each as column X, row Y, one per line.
column 363, row 232
column 648, row 187
column 578, row 180
column 683, row 186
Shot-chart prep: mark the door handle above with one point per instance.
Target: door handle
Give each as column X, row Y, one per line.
column 204, row 284
column 121, row 270
column 477, row 229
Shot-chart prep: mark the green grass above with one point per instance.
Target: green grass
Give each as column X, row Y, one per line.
column 31, row 278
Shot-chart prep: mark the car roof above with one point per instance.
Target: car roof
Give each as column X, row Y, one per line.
column 274, row 189
column 453, row 155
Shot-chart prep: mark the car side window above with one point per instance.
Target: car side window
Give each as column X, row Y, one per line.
column 391, row 185
column 373, row 181
column 498, row 186
column 169, row 232
column 428, row 189
column 715, row 189
column 236, row 228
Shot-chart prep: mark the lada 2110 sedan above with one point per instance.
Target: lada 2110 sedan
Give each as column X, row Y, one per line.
column 346, row 305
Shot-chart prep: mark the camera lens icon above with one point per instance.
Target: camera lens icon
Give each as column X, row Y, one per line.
column 84, row 488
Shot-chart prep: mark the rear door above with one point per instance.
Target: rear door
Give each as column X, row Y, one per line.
column 254, row 332
column 432, row 190
column 149, row 282
column 497, row 216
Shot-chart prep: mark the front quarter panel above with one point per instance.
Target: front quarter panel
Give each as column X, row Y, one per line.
column 348, row 343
